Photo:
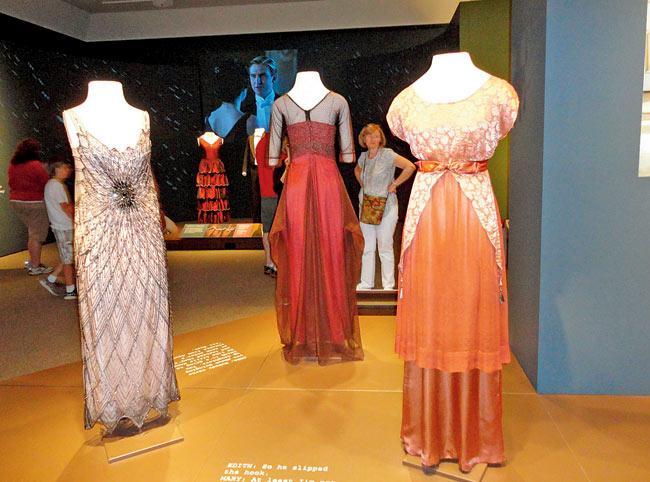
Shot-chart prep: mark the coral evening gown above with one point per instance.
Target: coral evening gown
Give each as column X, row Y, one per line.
column 212, row 184
column 316, row 241
column 452, row 314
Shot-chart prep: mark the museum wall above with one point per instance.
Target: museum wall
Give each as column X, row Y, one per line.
column 32, row 94
column 41, row 77
column 485, row 34
column 594, row 306
column 42, row 73
column 525, row 183
column 592, row 243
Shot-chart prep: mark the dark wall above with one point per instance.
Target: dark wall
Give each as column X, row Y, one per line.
column 526, row 172
column 43, row 73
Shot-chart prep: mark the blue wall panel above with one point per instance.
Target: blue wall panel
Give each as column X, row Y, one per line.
column 594, row 318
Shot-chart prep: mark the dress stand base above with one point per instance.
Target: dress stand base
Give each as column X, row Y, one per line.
column 448, row 470
column 332, row 359
column 124, row 444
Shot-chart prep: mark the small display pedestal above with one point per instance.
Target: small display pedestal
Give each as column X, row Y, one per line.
column 128, row 442
column 449, row 470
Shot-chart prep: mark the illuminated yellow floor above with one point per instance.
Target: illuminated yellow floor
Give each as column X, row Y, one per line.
column 344, row 418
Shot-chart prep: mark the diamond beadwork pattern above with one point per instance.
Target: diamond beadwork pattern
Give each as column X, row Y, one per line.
column 121, row 267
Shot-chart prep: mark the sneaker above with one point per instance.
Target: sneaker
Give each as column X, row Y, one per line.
column 40, row 269
column 270, row 271
column 362, row 287
column 53, row 288
column 71, row 295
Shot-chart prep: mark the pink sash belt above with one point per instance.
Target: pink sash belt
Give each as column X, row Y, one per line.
column 458, row 167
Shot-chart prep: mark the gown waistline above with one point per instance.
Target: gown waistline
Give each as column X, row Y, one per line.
column 459, row 167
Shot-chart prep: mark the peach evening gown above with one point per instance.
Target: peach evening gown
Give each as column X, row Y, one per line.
column 452, row 314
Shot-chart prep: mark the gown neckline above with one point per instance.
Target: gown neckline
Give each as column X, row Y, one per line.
column 315, row 105
column 83, row 131
column 464, row 99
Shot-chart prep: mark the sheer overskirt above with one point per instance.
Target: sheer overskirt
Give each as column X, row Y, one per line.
column 316, row 244
column 450, row 315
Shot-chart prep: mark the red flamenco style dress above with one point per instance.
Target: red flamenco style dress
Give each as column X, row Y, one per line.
column 212, row 183
column 452, row 312
column 316, row 241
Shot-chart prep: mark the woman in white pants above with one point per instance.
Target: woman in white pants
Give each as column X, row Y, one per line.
column 375, row 172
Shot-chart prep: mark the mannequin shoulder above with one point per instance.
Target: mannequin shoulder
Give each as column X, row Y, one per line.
column 504, row 88
column 139, row 114
column 336, row 97
column 406, row 95
column 69, row 117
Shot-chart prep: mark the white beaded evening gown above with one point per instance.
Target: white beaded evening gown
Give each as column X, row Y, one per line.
column 126, row 337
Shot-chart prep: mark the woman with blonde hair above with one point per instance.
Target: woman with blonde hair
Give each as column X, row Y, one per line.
column 375, row 172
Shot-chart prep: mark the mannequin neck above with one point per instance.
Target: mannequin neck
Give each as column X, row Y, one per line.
column 451, row 78
column 105, row 95
column 308, row 90
column 210, row 137
column 107, row 116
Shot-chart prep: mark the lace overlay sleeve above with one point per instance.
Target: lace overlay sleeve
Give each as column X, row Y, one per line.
column 509, row 106
column 346, row 137
column 275, row 133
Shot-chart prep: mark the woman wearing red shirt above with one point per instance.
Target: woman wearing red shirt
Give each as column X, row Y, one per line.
column 27, row 179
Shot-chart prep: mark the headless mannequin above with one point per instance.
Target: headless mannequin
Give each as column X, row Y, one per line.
column 107, row 116
column 209, row 137
column 308, row 90
column 224, row 118
column 451, row 78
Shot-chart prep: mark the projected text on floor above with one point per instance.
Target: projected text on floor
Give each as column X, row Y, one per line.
column 207, row 357
column 249, row 472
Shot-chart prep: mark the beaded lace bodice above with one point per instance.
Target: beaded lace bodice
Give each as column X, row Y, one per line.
column 467, row 130
column 314, row 130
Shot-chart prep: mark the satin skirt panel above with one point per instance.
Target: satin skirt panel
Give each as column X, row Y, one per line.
column 316, row 243
column 450, row 315
column 452, row 416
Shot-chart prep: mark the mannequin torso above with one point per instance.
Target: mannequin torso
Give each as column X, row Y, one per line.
column 308, row 90
column 107, row 116
column 224, row 118
column 451, row 78
column 209, row 137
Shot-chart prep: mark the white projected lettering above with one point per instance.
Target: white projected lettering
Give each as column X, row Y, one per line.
column 249, row 472
column 207, row 357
